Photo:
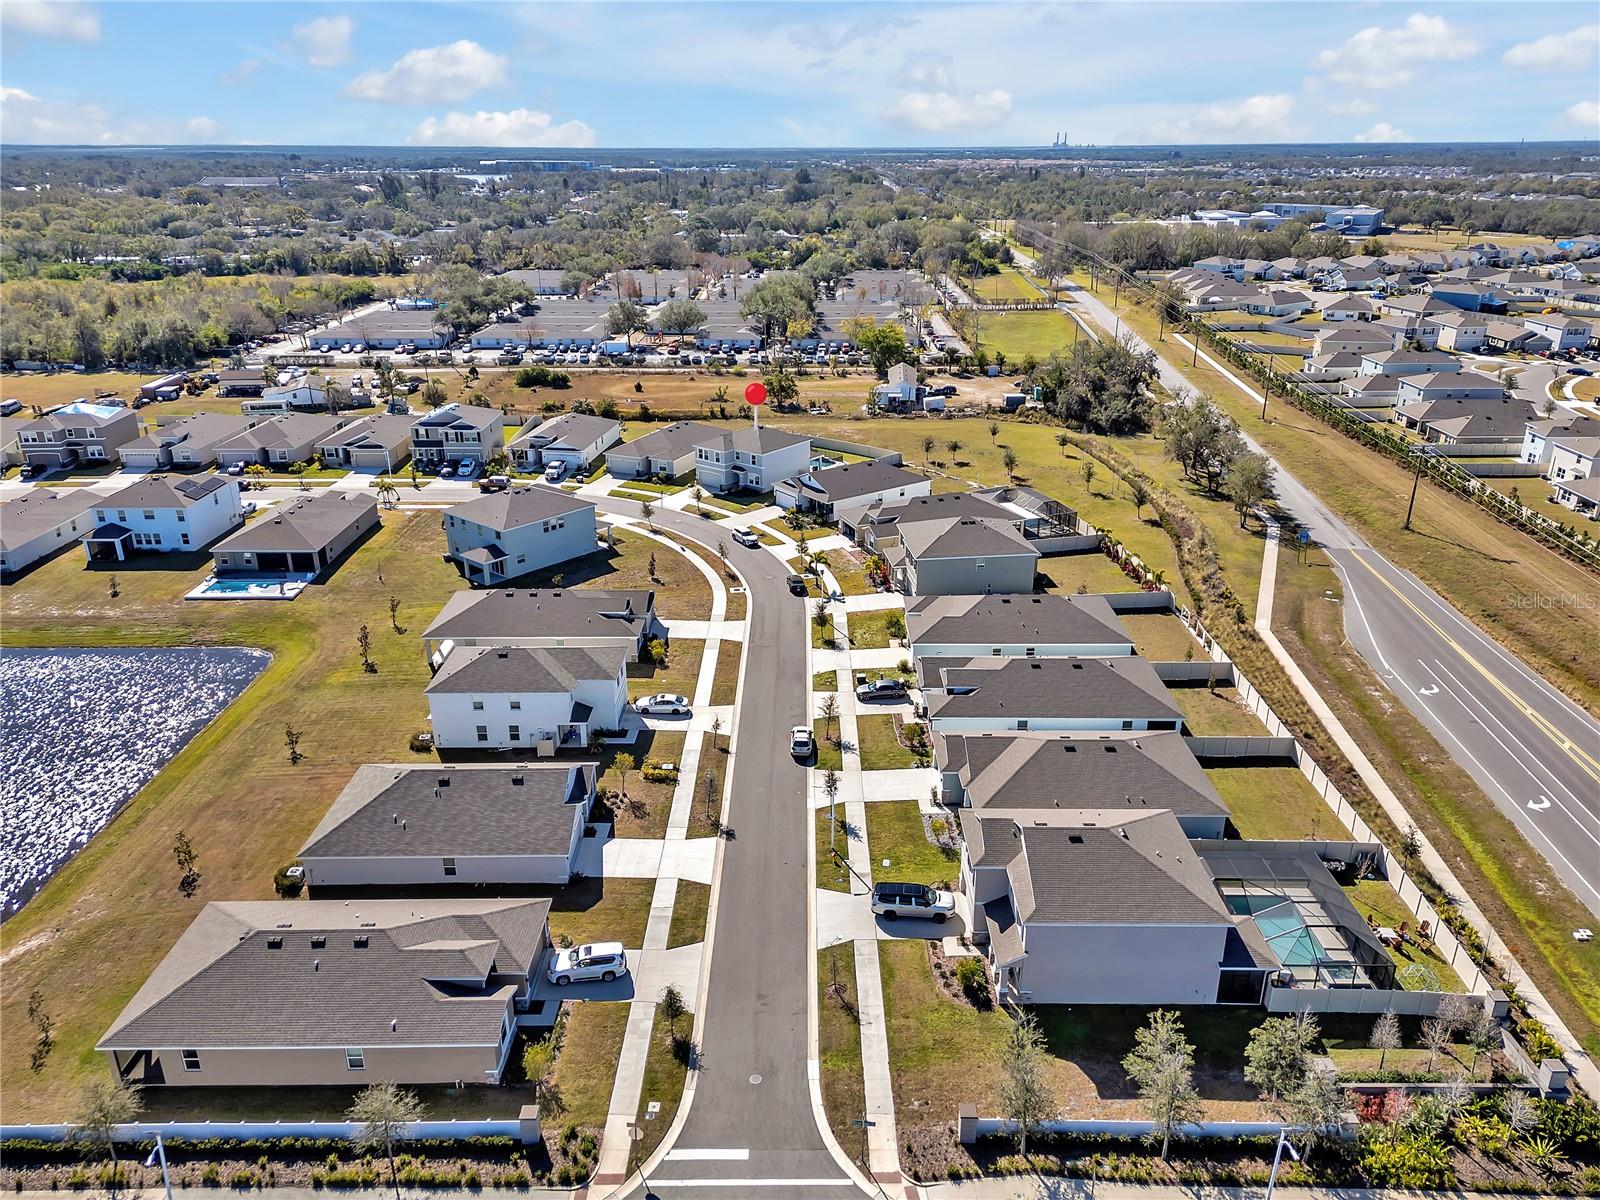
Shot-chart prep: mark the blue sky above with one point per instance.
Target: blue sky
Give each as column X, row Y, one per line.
column 796, row 74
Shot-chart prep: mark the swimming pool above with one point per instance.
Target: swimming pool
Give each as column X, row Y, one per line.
column 250, row 587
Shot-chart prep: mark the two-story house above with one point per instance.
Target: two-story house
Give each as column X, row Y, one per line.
column 501, row 535
column 534, row 699
column 77, row 434
column 164, row 514
column 457, row 433
column 749, row 458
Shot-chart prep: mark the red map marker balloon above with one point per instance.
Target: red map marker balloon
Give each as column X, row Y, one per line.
column 756, row 393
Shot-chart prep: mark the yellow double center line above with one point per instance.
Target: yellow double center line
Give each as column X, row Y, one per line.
column 1587, row 763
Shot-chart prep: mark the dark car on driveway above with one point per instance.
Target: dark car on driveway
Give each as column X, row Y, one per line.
column 881, row 689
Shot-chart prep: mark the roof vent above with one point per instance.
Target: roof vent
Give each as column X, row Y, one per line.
column 361, row 941
column 1035, row 666
column 1123, row 834
column 502, row 654
column 1069, row 748
column 444, row 781
column 394, row 1025
column 1077, row 666
column 318, row 943
column 316, row 964
column 274, row 943
column 516, row 781
column 1109, row 749
column 1075, row 838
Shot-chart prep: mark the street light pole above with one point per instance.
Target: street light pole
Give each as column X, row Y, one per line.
column 1277, row 1156
column 160, row 1152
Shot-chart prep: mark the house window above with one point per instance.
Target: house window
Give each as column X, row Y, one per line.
column 122, row 515
column 483, row 733
column 149, row 515
column 516, row 706
column 191, row 1060
column 514, row 733
column 1032, row 652
column 183, row 517
column 185, row 537
column 1127, row 724
column 355, row 1059
column 449, row 866
column 1022, row 726
column 477, row 706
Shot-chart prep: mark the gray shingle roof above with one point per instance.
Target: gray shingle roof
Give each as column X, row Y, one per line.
column 166, row 491
column 250, row 974
column 573, row 430
column 303, row 523
column 446, row 811
column 1110, row 868
column 965, row 537
column 752, row 440
column 670, row 441
column 198, row 429
column 39, row 511
column 1021, row 688
column 557, row 612
column 381, row 430
column 287, row 431
column 1034, row 620
column 519, row 506
column 835, row 485
column 1135, row 771
column 525, row 668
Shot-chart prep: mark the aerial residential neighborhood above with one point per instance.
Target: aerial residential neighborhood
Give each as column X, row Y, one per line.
column 579, row 624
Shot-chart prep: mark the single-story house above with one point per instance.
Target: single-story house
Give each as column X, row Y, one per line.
column 900, row 391
column 380, row 442
column 1416, row 304
column 10, row 451
column 1409, row 362
column 164, row 514
column 544, row 617
column 187, row 442
column 384, row 329
column 457, row 433
column 302, row 536
column 749, row 458
column 1454, row 385
column 76, row 433
column 668, row 452
column 1350, row 308
column 278, row 441
column 1132, row 772
column 276, row 993
column 850, row 484
column 1080, row 906
column 1496, row 418
column 962, row 556
column 1360, row 339
column 500, row 535
column 1345, row 278
column 1277, row 302
column 539, row 699
column 399, row 826
column 241, row 381
column 1473, row 297
column 1512, row 335
column 574, row 440
column 309, row 393
column 1343, row 364
column 40, row 522
column 1582, row 496
column 1014, row 627
column 1020, row 695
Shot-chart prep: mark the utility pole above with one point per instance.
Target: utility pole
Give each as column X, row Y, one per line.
column 1419, row 454
column 1266, row 390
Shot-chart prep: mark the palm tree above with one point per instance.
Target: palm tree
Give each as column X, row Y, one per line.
column 388, row 495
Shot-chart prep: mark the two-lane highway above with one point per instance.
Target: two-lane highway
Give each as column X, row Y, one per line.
column 751, row 1129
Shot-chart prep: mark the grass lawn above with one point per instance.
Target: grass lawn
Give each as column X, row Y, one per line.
column 823, row 633
column 1587, row 389
column 1382, row 902
column 682, row 593
column 649, row 802
column 1008, row 284
column 665, row 1069
column 231, row 789
column 1161, row 637
column 825, row 681
column 880, row 748
column 63, row 387
column 677, row 675
column 849, row 568
column 689, row 914
column 808, row 533
column 1039, row 332
column 831, row 874
column 713, row 762
column 1216, row 712
column 1064, row 575
column 870, row 630
column 726, row 681
column 829, row 755
column 895, row 832
column 1275, row 804
column 602, row 910
column 586, row 1068
column 839, row 1044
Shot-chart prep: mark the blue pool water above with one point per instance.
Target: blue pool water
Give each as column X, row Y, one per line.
column 83, row 730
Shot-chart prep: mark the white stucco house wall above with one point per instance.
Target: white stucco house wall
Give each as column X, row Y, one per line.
column 505, row 534
column 164, row 514
column 750, row 458
column 532, row 699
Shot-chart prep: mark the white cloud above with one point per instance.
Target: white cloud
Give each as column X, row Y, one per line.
column 438, row 75
column 1575, row 51
column 1258, row 118
column 1382, row 58
column 239, row 72
column 67, row 20
column 1384, row 132
column 325, row 41
column 519, row 127
column 1353, row 108
column 1586, row 115
column 931, row 72
column 26, row 118
column 947, row 112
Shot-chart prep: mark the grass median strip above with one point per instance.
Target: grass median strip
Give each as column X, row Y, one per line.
column 666, row 1067
column 839, row 1044
column 689, row 913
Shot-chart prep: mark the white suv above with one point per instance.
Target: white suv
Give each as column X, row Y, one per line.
column 891, row 900
column 604, row 961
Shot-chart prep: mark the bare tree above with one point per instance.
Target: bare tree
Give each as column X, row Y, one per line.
column 383, row 1111
column 364, row 641
column 103, row 1104
column 647, row 510
column 828, row 710
column 712, row 792
column 1026, row 1097
column 1437, row 1034
column 394, row 614
column 189, row 878
column 291, row 739
column 1385, row 1036
column 716, row 732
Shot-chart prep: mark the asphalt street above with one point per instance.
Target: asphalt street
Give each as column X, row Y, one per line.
column 1534, row 752
column 751, row 1129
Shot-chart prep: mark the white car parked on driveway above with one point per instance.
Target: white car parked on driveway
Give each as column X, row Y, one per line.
column 891, row 900
column 665, row 704
column 746, row 538
column 603, row 961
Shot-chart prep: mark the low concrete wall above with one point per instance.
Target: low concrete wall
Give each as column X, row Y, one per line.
column 1073, row 544
column 840, row 446
column 997, row 1126
column 1142, row 602
column 249, row 1130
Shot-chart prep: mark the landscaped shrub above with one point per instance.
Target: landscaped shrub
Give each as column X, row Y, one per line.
column 972, row 978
